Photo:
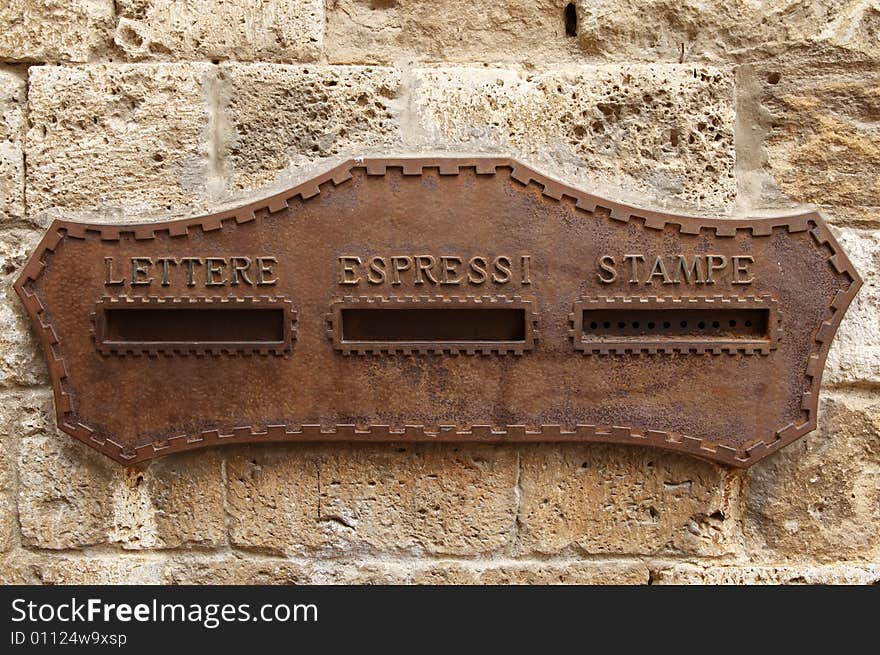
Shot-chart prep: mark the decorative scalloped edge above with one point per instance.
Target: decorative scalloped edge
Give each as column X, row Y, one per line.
column 231, row 349
column 334, row 329
column 744, row 456
column 657, row 346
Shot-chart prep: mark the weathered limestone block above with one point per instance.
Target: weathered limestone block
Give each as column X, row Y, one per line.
column 8, row 506
column 673, row 30
column 820, row 497
column 113, row 142
column 379, row 31
column 272, row 499
column 503, row 572
column 235, row 571
column 54, row 30
column 843, row 573
column 344, row 499
column 240, row 570
column 662, row 135
column 821, row 137
column 244, row 30
column 616, row 499
column 24, row 567
column 69, row 496
column 64, row 493
column 444, row 500
column 282, row 116
column 174, row 502
column 26, row 414
column 13, row 570
column 13, row 101
column 854, row 358
column 22, row 414
column 21, row 358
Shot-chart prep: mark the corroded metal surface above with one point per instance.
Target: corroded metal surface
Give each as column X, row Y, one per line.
column 439, row 300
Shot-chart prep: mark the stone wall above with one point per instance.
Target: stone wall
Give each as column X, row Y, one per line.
column 153, row 109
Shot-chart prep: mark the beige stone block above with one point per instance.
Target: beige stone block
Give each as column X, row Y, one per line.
column 842, row 573
column 13, row 105
column 55, row 30
column 284, row 118
column 173, row 502
column 22, row 414
column 114, row 142
column 245, row 570
column 503, row 572
column 64, row 493
column 22, row 362
column 695, row 30
column 70, row 496
column 581, row 498
column 272, row 498
column 243, row 30
column 441, row 500
column 377, row 31
column 8, row 509
column 25, row 414
column 44, row 568
column 820, row 497
column 854, row 358
column 248, row 569
column 658, row 136
column 821, row 137
column 371, row 498
column 187, row 495
column 15, row 571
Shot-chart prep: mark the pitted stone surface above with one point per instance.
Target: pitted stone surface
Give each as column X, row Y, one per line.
column 13, row 111
column 672, row 30
column 388, row 31
column 822, row 497
column 118, row 141
column 277, row 30
column 21, row 362
column 854, row 358
column 664, row 133
column 407, row 499
column 821, row 137
column 55, row 30
column 281, row 117
column 582, row 499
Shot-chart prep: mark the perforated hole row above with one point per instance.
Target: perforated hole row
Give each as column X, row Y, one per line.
column 676, row 323
column 668, row 325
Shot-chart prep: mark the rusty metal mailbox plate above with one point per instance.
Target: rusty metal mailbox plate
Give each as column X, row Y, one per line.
column 439, row 300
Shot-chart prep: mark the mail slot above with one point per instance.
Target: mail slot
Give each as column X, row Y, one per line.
column 488, row 325
column 443, row 325
column 439, row 300
column 740, row 325
column 198, row 325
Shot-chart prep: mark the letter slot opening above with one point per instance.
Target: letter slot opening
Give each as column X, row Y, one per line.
column 442, row 324
column 616, row 325
column 145, row 326
column 465, row 326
